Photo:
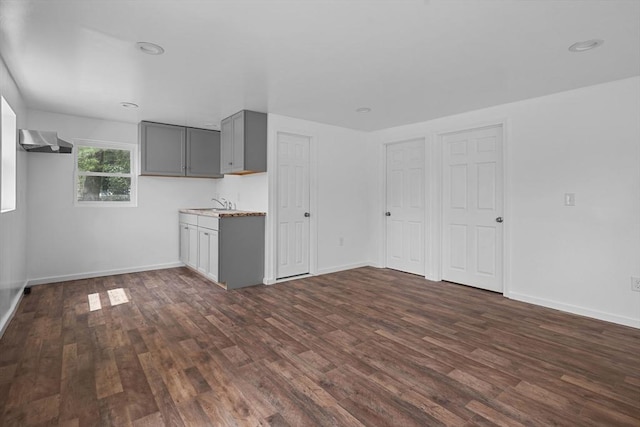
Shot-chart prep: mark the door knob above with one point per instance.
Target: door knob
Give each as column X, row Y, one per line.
column 499, row 219
column 307, row 214
column 387, row 214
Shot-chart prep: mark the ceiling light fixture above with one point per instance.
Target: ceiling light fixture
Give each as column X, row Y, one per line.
column 149, row 48
column 586, row 45
column 129, row 105
column 363, row 110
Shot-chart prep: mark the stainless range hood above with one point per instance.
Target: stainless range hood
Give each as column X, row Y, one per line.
column 43, row 142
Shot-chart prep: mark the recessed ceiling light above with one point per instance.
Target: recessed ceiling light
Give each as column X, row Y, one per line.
column 363, row 110
column 129, row 105
column 586, row 45
column 149, row 48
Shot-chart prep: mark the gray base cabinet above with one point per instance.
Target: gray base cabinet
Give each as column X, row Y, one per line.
column 189, row 241
column 227, row 250
column 169, row 150
column 208, row 253
column 241, row 251
column 243, row 143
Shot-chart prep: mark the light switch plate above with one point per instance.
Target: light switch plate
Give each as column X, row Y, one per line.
column 569, row 199
column 635, row 284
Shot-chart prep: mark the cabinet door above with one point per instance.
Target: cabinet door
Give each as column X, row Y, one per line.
column 213, row 255
column 203, row 153
column 238, row 141
column 226, row 145
column 162, row 149
column 184, row 242
column 204, row 237
column 192, row 259
column 208, row 253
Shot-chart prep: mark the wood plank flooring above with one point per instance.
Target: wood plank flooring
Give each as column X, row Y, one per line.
column 367, row 346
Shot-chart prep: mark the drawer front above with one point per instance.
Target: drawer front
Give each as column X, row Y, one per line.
column 209, row 222
column 189, row 219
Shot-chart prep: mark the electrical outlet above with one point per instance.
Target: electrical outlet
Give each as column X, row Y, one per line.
column 635, row 284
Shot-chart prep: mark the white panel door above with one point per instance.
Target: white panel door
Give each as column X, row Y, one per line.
column 293, row 205
column 472, row 208
column 405, row 206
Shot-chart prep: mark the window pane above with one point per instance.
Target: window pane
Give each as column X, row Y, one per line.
column 8, row 154
column 92, row 159
column 104, row 189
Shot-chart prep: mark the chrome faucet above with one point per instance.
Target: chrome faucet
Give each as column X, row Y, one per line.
column 225, row 203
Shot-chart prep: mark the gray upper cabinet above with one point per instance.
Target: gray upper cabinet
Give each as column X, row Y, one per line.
column 203, row 153
column 244, row 143
column 226, row 145
column 162, row 149
column 169, row 150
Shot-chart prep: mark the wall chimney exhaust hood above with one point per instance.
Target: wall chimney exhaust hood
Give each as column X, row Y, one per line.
column 43, row 142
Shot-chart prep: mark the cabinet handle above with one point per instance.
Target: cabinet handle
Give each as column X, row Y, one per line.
column 186, row 228
column 230, row 163
column 206, row 234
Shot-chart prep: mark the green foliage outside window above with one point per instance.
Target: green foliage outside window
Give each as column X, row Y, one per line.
column 103, row 174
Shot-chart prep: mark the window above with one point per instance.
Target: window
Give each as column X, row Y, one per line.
column 8, row 166
column 105, row 174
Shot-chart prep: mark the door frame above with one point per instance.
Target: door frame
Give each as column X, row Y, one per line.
column 271, row 237
column 436, row 212
column 425, row 189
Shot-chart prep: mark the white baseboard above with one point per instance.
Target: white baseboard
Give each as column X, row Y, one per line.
column 600, row 315
column 271, row 281
column 342, row 268
column 92, row 274
column 4, row 321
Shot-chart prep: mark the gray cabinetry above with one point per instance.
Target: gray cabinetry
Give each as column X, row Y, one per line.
column 208, row 253
column 226, row 145
column 189, row 240
column 244, row 143
column 162, row 149
column 241, row 251
column 228, row 250
column 203, row 153
column 169, row 150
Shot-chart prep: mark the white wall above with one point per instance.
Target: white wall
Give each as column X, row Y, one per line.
column 13, row 224
column 71, row 242
column 344, row 187
column 67, row 242
column 247, row 192
column 586, row 141
column 577, row 259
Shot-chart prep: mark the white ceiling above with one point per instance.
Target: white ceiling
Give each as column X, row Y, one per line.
column 408, row 60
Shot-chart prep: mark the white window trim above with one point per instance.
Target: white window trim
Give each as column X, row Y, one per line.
column 133, row 174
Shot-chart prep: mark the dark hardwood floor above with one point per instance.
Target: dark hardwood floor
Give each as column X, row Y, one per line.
column 361, row 347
